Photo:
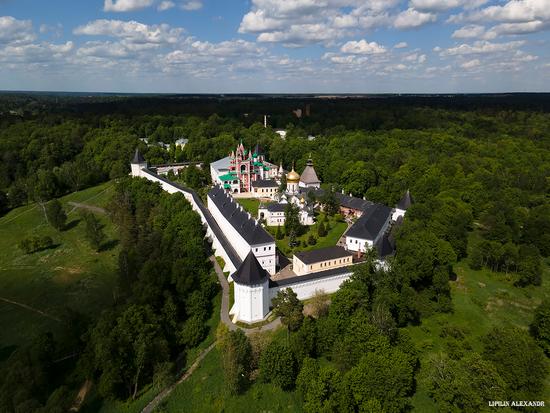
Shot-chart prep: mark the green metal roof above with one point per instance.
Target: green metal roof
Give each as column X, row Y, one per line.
column 227, row 186
column 228, row 177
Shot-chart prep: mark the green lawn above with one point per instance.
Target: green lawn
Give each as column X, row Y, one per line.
column 250, row 204
column 332, row 237
column 204, row 392
column 481, row 299
column 70, row 275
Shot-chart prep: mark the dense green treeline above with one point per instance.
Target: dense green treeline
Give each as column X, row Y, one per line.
column 476, row 173
column 163, row 298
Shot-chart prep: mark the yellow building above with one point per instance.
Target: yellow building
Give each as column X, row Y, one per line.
column 323, row 259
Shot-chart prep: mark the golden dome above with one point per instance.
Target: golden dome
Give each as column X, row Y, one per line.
column 302, row 201
column 293, row 177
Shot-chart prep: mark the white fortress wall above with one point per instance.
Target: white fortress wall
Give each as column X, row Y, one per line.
column 240, row 246
column 170, row 188
column 251, row 302
column 308, row 288
column 266, row 256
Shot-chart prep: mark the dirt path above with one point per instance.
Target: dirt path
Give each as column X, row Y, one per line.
column 17, row 216
column 162, row 395
column 25, row 306
column 82, row 393
column 91, row 208
column 224, row 310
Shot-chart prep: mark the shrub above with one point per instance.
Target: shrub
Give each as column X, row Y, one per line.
column 56, row 215
column 35, row 243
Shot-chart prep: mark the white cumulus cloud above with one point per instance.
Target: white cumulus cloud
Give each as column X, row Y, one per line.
column 362, row 47
column 469, row 31
column 126, row 5
column 131, row 31
column 411, row 18
column 191, row 5
column 15, row 31
column 165, row 5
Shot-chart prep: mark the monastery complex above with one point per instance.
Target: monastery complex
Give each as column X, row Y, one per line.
column 255, row 265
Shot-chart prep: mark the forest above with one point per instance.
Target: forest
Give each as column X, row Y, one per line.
column 478, row 168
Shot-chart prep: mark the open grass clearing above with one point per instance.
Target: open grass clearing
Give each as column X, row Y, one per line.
column 481, row 300
column 250, row 204
column 71, row 275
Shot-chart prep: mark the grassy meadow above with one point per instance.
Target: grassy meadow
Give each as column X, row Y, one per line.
column 481, row 300
column 69, row 275
column 204, row 392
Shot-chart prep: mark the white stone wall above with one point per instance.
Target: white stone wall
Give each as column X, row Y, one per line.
column 251, row 302
column 272, row 219
column 266, row 256
column 239, row 244
column 265, row 192
column 357, row 244
column 397, row 212
column 307, row 289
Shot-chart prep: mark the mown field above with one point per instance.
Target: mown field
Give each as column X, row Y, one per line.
column 71, row 275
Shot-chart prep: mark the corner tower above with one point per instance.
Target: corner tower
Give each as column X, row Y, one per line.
column 138, row 163
column 251, row 290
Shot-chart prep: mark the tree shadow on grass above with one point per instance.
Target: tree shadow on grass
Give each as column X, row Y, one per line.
column 109, row 245
column 49, row 247
column 71, row 225
column 6, row 351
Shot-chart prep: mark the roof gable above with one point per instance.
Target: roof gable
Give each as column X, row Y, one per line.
column 138, row 158
column 250, row 272
column 369, row 225
column 244, row 224
column 405, row 202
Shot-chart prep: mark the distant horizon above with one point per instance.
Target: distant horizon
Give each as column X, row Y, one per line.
column 305, row 94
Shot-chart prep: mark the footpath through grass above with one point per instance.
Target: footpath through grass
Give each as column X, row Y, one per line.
column 481, row 300
column 147, row 394
column 204, row 392
column 71, row 275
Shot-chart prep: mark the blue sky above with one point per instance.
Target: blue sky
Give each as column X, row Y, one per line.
column 276, row 46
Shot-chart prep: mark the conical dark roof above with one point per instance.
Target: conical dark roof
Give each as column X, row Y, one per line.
column 406, row 201
column 250, row 272
column 309, row 176
column 138, row 158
